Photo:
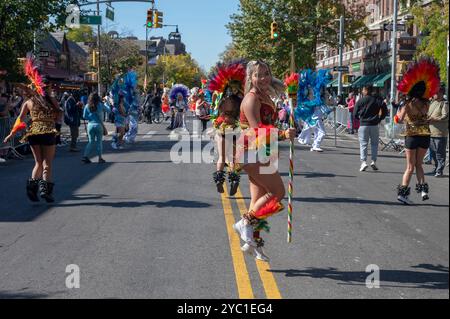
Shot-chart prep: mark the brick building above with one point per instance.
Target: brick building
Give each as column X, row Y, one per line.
column 369, row 60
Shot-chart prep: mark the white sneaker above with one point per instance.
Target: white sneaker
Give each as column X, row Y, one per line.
column 260, row 254
column 302, row 142
column 114, row 145
column 245, row 231
column 316, row 149
column 364, row 166
column 374, row 166
column 249, row 249
column 404, row 200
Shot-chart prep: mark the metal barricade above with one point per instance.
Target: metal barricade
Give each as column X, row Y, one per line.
column 393, row 134
column 6, row 124
column 342, row 116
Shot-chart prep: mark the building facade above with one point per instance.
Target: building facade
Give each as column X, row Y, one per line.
column 369, row 59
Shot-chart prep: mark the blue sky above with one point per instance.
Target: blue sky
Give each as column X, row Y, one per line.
column 201, row 24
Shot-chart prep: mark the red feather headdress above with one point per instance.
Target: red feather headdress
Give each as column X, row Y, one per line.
column 291, row 83
column 421, row 80
column 33, row 75
column 228, row 78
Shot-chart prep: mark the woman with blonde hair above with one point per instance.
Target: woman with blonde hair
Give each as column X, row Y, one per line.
column 258, row 114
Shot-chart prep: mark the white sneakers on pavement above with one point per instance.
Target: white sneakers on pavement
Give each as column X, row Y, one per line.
column 374, row 166
column 316, row 149
column 245, row 231
column 364, row 166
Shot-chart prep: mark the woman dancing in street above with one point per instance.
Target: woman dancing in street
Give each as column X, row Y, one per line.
column 41, row 135
column 419, row 83
column 267, row 190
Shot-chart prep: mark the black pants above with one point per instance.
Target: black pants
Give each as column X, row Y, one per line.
column 438, row 153
column 58, row 137
column 204, row 125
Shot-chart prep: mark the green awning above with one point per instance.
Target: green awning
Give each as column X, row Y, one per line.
column 381, row 79
column 363, row 80
column 333, row 83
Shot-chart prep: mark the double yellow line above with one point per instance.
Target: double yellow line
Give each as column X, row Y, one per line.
column 244, row 286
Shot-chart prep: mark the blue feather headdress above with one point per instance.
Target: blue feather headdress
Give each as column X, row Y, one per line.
column 179, row 89
column 315, row 82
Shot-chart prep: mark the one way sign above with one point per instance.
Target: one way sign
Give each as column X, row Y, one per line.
column 390, row 27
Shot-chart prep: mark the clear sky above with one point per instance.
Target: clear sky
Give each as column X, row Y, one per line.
column 201, row 24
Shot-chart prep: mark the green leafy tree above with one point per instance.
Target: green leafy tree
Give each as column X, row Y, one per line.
column 302, row 23
column 19, row 20
column 117, row 56
column 176, row 69
column 432, row 22
column 82, row 34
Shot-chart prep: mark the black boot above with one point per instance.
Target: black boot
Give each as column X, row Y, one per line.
column 46, row 191
column 32, row 189
column 423, row 190
column 234, row 179
column 403, row 193
column 219, row 179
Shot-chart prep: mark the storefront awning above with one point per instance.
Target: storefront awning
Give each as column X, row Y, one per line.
column 363, row 80
column 379, row 81
column 333, row 83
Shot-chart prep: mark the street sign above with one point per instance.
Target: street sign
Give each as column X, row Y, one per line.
column 92, row 20
column 44, row 54
column 344, row 69
column 109, row 14
column 390, row 27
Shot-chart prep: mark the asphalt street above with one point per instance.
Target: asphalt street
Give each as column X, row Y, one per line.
column 141, row 226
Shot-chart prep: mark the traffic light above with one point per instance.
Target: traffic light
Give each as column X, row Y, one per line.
column 94, row 58
column 149, row 18
column 274, row 30
column 158, row 19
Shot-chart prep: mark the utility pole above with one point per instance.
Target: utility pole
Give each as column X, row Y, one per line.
column 99, row 84
column 393, row 68
column 341, row 52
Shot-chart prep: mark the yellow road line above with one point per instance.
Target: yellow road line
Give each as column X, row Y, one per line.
column 240, row 268
column 267, row 278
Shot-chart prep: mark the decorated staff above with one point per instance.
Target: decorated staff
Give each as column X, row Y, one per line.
column 291, row 83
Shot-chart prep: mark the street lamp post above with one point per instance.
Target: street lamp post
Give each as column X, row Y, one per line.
column 393, row 68
column 99, row 85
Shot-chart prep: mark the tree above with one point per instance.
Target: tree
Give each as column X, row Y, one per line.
column 19, row 20
column 230, row 53
column 432, row 22
column 82, row 34
column 176, row 69
column 117, row 56
column 302, row 23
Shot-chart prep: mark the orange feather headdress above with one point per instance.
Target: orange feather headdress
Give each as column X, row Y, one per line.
column 33, row 75
column 421, row 80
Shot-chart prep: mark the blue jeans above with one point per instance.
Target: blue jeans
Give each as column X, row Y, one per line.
column 95, row 135
column 365, row 133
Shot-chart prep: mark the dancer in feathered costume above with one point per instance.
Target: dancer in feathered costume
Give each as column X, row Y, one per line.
column 193, row 97
column 420, row 82
column 228, row 84
column 41, row 135
column 133, row 111
column 259, row 116
column 312, row 106
column 178, row 96
column 126, row 109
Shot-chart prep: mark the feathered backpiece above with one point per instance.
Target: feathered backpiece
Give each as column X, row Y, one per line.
column 291, row 83
column 33, row 75
column 228, row 79
column 309, row 94
column 421, row 79
column 204, row 84
column 179, row 89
